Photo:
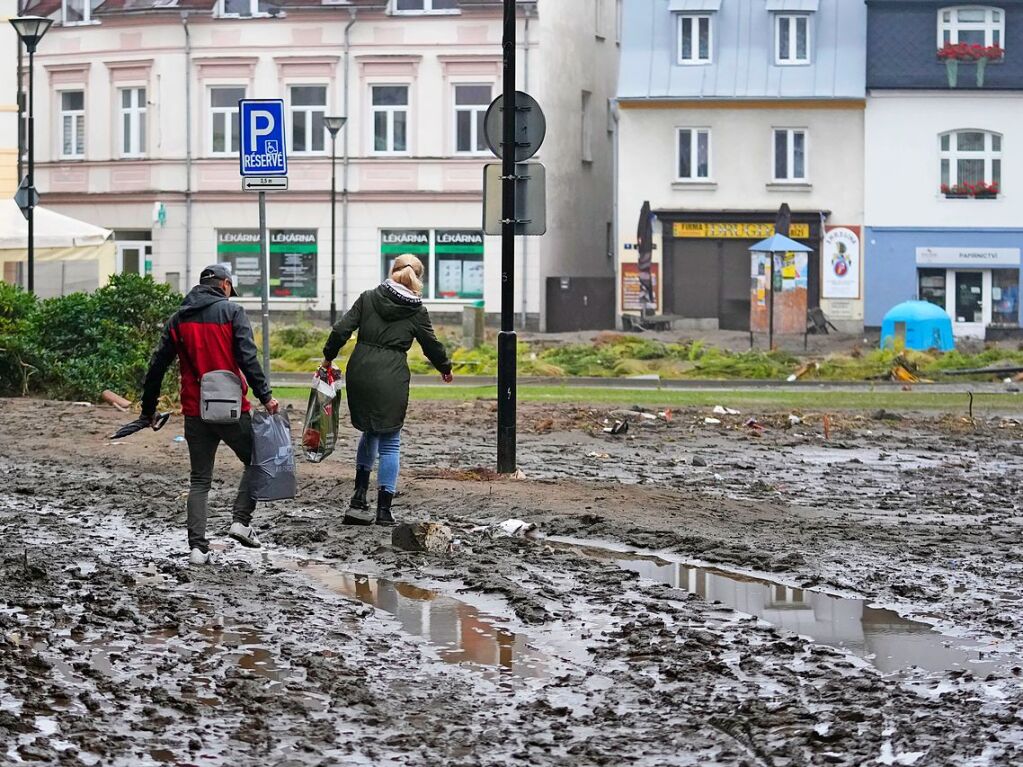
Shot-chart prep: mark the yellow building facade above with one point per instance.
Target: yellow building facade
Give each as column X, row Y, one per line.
column 8, row 104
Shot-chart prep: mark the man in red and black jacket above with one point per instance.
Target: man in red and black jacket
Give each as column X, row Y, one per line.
column 210, row 333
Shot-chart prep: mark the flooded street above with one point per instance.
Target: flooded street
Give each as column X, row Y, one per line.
column 698, row 594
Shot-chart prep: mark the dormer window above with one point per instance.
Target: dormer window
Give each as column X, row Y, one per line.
column 791, row 39
column 244, row 8
column 695, row 30
column 972, row 25
column 425, row 6
column 78, row 11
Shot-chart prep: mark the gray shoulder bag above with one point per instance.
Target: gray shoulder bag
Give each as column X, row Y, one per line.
column 220, row 395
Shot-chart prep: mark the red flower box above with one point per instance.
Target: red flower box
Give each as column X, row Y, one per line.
column 980, row 189
column 967, row 52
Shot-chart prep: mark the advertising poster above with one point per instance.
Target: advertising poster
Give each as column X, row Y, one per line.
column 842, row 260
column 293, row 257
column 632, row 291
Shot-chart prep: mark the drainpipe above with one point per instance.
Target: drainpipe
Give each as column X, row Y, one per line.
column 345, row 165
column 188, row 153
column 525, row 240
column 614, row 208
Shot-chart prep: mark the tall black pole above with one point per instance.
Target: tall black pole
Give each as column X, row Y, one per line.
column 770, row 309
column 31, row 174
column 506, row 341
column 333, row 228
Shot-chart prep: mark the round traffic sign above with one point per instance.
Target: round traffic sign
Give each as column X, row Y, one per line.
column 530, row 126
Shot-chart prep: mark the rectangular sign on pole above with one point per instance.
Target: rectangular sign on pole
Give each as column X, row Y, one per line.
column 530, row 198
column 265, row 184
column 261, row 148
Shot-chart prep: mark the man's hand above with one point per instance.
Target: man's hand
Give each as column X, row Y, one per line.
column 272, row 406
column 326, row 364
column 447, row 377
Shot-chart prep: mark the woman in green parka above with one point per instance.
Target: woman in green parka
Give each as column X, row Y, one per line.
column 388, row 319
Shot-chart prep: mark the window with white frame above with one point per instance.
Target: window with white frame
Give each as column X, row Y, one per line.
column 390, row 119
column 244, row 8
column 224, row 119
column 791, row 39
column 973, row 25
column 78, row 11
column 471, row 102
column 693, row 154
column 72, row 123
column 308, row 105
column 133, row 122
column 789, row 155
column 971, row 159
column 695, row 38
column 424, row 6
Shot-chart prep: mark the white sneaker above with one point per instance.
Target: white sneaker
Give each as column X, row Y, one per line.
column 245, row 535
column 200, row 557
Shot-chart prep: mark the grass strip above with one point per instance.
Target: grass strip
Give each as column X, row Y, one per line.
column 758, row 399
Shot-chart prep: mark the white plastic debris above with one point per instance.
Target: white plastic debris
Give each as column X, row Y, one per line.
column 516, row 528
column 795, row 420
column 712, row 421
column 721, row 410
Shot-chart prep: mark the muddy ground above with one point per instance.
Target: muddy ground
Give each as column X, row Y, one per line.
column 330, row 647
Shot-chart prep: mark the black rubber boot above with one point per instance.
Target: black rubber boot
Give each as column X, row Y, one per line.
column 358, row 509
column 361, row 488
column 384, row 517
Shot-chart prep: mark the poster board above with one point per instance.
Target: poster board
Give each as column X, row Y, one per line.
column 841, row 262
column 632, row 291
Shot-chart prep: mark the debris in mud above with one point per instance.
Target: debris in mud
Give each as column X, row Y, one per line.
column 886, row 415
column 721, row 410
column 618, row 427
column 510, row 528
column 422, row 536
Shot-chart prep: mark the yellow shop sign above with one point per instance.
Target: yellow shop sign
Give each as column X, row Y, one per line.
column 736, row 231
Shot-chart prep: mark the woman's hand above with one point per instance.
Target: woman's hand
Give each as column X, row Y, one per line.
column 447, row 377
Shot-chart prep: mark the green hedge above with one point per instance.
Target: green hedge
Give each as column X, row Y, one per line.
column 77, row 345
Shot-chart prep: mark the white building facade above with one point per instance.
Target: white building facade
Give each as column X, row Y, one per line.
column 137, row 132
column 726, row 110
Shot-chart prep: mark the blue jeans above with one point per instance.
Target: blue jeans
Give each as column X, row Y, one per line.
column 388, row 447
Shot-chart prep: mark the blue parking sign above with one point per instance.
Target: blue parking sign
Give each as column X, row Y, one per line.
column 261, row 151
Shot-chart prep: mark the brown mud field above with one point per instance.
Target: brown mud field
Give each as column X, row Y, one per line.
column 699, row 594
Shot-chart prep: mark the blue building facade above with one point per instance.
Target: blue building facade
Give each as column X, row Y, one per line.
column 944, row 161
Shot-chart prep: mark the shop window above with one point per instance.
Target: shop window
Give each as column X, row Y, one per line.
column 72, row 124
column 693, row 154
column 1005, row 296
column 471, row 102
column 790, row 155
column 972, row 25
column 971, row 163
column 459, row 263
column 224, row 119
column 293, row 259
column 397, row 242
column 791, row 39
column 133, row 122
column 932, row 286
column 308, row 105
column 390, row 119
column 695, row 38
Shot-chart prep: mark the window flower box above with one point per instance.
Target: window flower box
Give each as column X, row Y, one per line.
column 978, row 191
column 954, row 53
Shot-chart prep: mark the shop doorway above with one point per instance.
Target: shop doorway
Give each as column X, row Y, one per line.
column 134, row 252
column 969, row 302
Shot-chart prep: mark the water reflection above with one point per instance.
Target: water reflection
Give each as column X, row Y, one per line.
column 888, row 640
column 463, row 634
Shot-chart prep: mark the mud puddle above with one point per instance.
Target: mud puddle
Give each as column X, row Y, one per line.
column 460, row 632
column 881, row 636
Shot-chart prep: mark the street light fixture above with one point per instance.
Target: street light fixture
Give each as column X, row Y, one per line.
column 31, row 30
column 334, row 125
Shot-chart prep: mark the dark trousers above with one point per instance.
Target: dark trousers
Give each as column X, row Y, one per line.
column 203, row 440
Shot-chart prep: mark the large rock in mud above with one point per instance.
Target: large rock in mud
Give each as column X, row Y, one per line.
column 422, row 536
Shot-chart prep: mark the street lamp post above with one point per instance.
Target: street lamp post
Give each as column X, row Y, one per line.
column 334, row 125
column 31, row 30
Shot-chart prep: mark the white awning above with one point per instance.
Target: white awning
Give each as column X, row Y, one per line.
column 691, row 6
column 53, row 230
column 804, row 6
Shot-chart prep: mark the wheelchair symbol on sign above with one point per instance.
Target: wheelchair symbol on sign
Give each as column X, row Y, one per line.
column 272, row 147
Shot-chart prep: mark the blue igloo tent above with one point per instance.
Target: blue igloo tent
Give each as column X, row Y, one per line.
column 917, row 325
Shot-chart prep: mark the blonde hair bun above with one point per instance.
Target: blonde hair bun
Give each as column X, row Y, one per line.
column 408, row 272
